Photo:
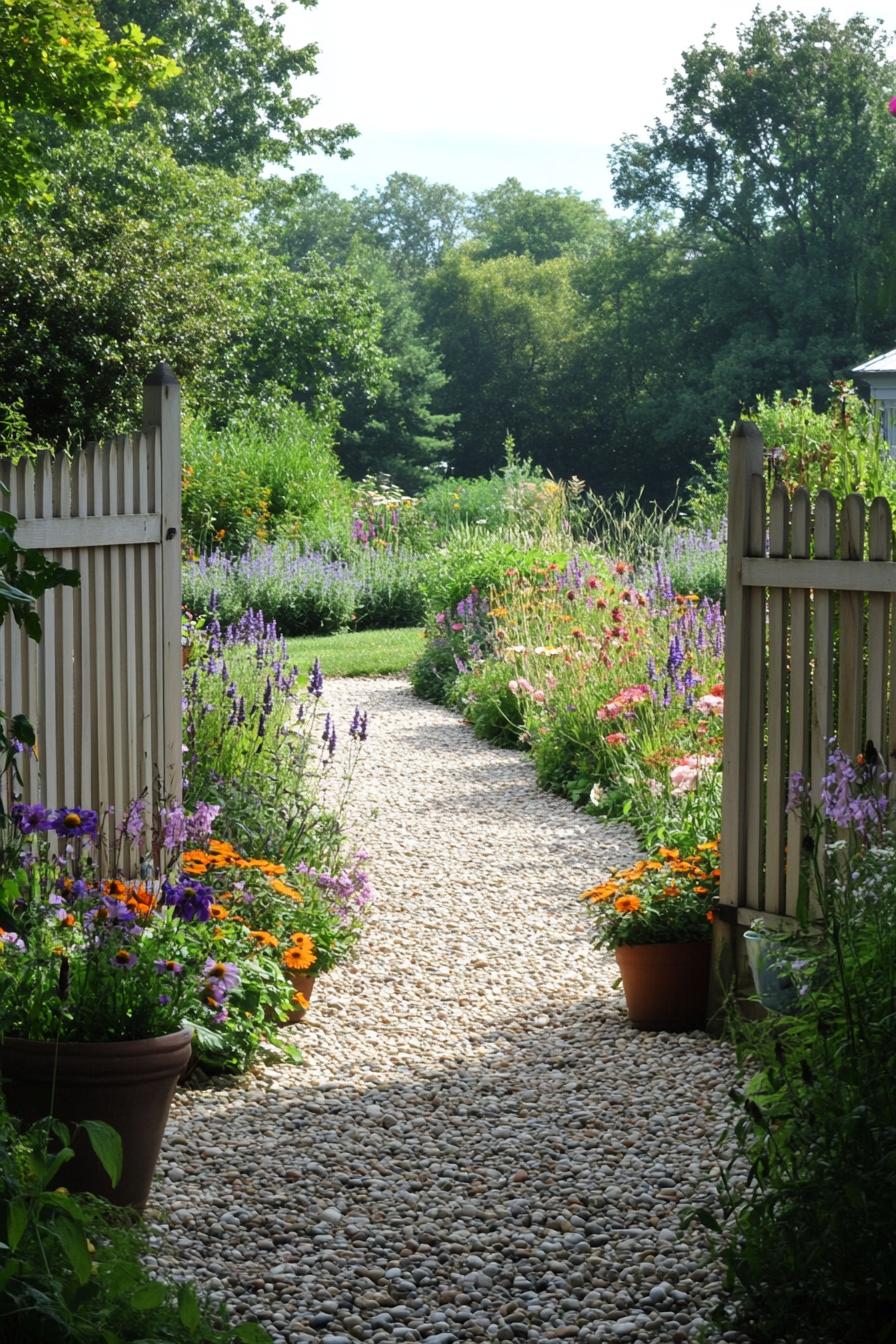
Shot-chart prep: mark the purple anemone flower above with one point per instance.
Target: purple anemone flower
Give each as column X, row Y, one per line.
column 74, row 821
column 190, row 900
column 30, row 817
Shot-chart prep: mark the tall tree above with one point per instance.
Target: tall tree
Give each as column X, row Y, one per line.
column 235, row 106
column 415, row 220
column 511, row 220
column 60, row 67
column 779, row 156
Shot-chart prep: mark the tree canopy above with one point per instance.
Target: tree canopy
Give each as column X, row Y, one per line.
column 61, row 66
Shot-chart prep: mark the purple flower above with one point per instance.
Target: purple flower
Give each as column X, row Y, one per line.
column 162, row 967
column 190, row 900
column 199, row 825
column 797, row 791
column 124, row 959
column 358, row 728
column 13, row 941
column 133, row 826
column 74, row 821
column 221, row 978
column 164, row 1000
column 30, row 817
column 316, row 680
column 110, row 914
column 174, row 826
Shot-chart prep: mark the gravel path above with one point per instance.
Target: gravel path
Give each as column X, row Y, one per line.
column 480, row 1147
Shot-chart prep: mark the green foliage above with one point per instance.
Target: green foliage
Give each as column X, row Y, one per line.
column 511, row 221
column 235, row 105
column 270, row 473
column 839, row 448
column 807, row 1200
column 665, row 899
column 507, row 332
column 416, row 222
column 488, row 704
column 59, row 63
column 73, row 1265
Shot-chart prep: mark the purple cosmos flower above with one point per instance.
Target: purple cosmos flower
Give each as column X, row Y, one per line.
column 30, row 817
column 74, row 821
column 110, row 914
column 221, row 977
column 162, row 967
column 189, row 899
column 124, row 959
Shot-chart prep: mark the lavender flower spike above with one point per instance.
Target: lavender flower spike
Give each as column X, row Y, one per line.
column 316, row 680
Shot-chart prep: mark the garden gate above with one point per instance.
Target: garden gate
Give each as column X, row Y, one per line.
column 103, row 687
column 810, row 655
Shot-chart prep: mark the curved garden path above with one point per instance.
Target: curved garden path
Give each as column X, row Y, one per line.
column 479, row 1147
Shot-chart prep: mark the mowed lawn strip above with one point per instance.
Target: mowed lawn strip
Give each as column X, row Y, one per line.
column 359, row 653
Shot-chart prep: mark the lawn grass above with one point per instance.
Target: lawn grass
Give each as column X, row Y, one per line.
column 359, row 653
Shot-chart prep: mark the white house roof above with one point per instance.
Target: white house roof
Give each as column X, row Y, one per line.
column 885, row 363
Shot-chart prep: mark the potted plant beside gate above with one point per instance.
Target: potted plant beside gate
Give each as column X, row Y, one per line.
column 102, row 985
column 657, row 917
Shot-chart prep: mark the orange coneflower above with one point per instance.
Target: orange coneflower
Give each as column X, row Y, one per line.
column 263, row 938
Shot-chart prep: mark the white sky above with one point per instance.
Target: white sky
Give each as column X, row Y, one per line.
column 474, row 91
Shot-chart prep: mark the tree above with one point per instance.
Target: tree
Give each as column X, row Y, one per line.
column 414, row 220
column 137, row 258
column 779, row 157
column 60, row 66
column 511, row 220
column 507, row 331
column 235, row 106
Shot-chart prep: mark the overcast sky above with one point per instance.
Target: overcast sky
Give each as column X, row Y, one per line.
column 475, row 91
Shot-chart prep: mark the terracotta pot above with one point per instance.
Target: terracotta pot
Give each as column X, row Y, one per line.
column 302, row 983
column 129, row 1084
column 666, row 984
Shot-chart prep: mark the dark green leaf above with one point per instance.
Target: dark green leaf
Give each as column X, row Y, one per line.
column 106, row 1143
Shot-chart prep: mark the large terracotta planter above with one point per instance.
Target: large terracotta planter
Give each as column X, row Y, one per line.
column 129, row 1084
column 666, row 984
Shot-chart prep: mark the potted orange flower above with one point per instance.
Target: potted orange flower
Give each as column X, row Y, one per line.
column 657, row 917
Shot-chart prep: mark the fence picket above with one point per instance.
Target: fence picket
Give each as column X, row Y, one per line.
column 776, row 786
column 798, row 748
column 755, row 762
column 852, row 632
column 880, row 542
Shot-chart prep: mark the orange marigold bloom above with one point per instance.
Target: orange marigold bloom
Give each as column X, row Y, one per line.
column 300, row 1001
column 627, row 905
column 710, row 916
column 218, row 912
column 283, row 889
column 301, row 954
column 668, row 853
column 263, row 938
column 114, row 887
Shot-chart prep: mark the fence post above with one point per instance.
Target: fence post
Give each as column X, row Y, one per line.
column 161, row 415
column 746, row 460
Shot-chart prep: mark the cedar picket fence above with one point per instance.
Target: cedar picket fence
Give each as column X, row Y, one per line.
column 810, row 656
column 103, row 687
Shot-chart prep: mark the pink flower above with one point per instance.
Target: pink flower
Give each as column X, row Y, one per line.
column 711, row 704
column 685, row 773
column 513, row 687
column 456, row 625
column 538, row 697
column 616, row 739
column 621, row 703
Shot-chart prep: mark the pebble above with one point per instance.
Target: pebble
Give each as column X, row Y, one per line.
column 478, row 1145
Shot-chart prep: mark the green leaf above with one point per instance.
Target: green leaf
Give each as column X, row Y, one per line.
column 106, row 1143
column 16, row 1222
column 188, row 1307
column 74, row 1243
column 250, row 1333
column 150, row 1297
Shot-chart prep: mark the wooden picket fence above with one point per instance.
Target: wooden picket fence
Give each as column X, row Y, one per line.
column 103, row 687
column 810, row 656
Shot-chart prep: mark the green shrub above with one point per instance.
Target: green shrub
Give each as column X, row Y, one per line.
column 840, row 449
column 488, row 704
column 266, row 475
